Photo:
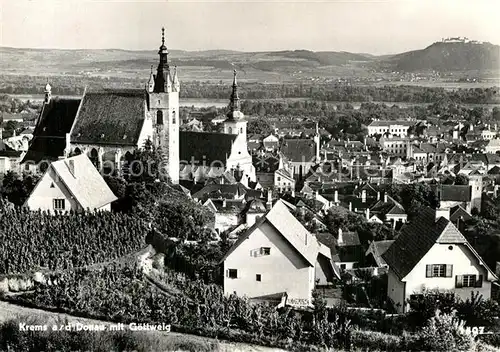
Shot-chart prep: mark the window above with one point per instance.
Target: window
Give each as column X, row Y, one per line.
column 265, row 251
column 279, row 178
column 342, row 266
column 59, row 204
column 230, row 130
column 469, row 281
column 52, row 185
column 258, row 277
column 232, row 273
column 241, row 130
column 439, row 270
column 159, row 117
column 173, row 117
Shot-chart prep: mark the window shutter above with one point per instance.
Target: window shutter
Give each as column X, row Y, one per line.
column 459, row 281
column 479, row 281
column 428, row 270
column 449, row 270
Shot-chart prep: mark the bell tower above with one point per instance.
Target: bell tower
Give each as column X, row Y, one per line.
column 163, row 89
column 235, row 122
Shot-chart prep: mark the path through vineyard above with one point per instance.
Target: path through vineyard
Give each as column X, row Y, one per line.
column 11, row 311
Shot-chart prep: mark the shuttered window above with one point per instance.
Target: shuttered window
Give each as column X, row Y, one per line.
column 439, row 270
column 469, row 281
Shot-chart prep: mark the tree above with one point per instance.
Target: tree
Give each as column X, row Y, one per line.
column 147, row 164
column 461, row 180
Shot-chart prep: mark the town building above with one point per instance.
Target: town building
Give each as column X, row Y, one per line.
column 431, row 253
column 71, row 184
column 277, row 257
column 396, row 128
column 108, row 124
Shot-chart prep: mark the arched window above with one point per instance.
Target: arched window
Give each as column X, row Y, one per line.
column 173, row 117
column 241, row 130
column 159, row 117
column 77, row 151
column 230, row 130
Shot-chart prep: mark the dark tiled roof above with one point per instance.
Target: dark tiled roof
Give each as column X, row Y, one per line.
column 265, row 163
column 205, row 146
column 298, row 150
column 11, row 153
column 220, row 191
column 349, row 239
column 110, row 117
column 49, row 137
column 458, row 193
column 377, row 249
column 495, row 170
column 417, row 238
column 457, row 212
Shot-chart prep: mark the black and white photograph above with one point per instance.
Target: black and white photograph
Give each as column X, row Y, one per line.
column 247, row 175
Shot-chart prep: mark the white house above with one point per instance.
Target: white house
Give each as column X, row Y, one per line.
column 431, row 253
column 71, row 184
column 277, row 256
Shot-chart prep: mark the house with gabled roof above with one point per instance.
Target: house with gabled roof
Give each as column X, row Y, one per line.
column 387, row 210
column 71, row 184
column 277, row 257
column 431, row 253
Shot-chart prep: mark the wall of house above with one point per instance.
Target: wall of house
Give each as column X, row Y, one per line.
column 265, row 179
column 226, row 220
column 252, row 218
column 42, row 197
column 396, row 291
column 284, row 270
column 240, row 156
column 4, row 165
column 282, row 183
column 323, row 273
column 463, row 261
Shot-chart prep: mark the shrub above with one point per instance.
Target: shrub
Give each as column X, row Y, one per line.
column 444, row 332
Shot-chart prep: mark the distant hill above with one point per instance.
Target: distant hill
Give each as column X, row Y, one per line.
column 266, row 66
column 448, row 57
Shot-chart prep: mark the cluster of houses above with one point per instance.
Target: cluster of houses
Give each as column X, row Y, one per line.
column 258, row 186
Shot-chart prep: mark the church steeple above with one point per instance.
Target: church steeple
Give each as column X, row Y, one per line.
column 151, row 82
column 234, row 103
column 48, row 92
column 162, row 79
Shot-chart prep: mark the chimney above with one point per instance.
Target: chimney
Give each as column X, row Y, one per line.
column 269, row 203
column 385, row 197
column 350, row 206
column 367, row 214
column 340, row 238
column 336, row 196
column 293, row 192
column 378, row 195
column 443, row 212
column 363, row 196
column 224, row 203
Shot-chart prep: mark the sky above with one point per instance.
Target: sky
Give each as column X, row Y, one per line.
column 368, row 26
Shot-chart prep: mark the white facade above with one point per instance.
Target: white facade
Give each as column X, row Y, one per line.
column 283, row 270
column 463, row 262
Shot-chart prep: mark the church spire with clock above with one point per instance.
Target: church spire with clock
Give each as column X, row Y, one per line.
column 235, row 122
column 163, row 92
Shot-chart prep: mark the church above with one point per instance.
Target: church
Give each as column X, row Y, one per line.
column 109, row 124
